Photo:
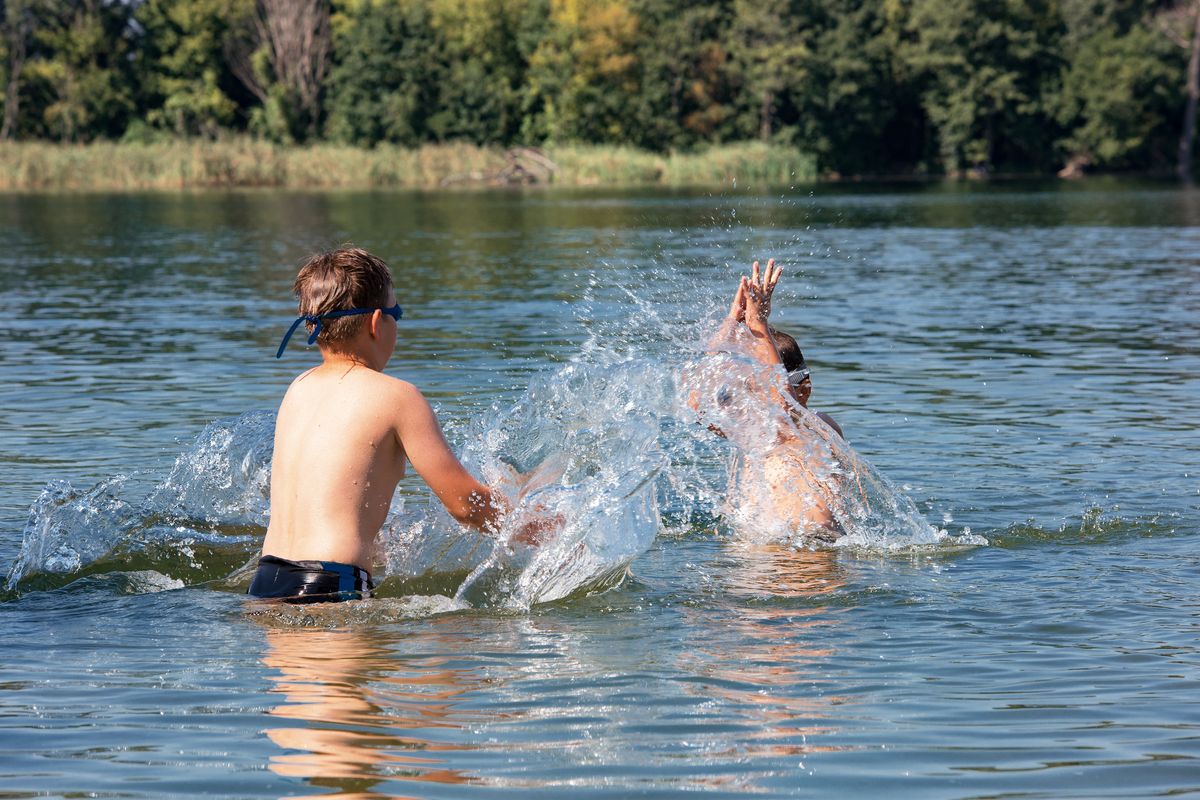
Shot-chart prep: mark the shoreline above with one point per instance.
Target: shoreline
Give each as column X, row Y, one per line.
column 243, row 163
column 251, row 164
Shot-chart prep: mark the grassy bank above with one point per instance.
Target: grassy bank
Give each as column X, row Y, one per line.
column 37, row 166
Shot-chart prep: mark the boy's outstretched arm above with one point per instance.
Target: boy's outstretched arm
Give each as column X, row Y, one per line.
column 468, row 500
column 763, row 282
column 731, row 333
column 756, row 292
column 758, row 304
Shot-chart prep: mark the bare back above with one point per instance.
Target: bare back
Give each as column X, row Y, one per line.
column 342, row 438
column 780, row 487
column 336, row 465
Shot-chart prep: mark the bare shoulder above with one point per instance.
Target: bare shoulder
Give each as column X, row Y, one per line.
column 828, row 420
column 398, row 400
column 360, row 389
column 381, row 387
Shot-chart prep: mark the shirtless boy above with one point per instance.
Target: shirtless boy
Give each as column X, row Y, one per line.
column 781, row 482
column 344, row 433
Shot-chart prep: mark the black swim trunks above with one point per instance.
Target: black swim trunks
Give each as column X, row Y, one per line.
column 309, row 581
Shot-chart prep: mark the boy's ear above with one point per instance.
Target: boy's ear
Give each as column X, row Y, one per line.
column 376, row 316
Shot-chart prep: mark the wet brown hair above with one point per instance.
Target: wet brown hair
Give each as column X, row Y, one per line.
column 338, row 281
column 789, row 351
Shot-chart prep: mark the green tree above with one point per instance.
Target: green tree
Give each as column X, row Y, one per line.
column 583, row 77
column 769, row 46
column 1119, row 99
column 182, row 64
column 480, row 100
column 387, row 68
column 79, row 72
column 1083, row 19
column 981, row 67
column 1180, row 22
column 861, row 111
column 685, row 92
column 17, row 21
column 282, row 55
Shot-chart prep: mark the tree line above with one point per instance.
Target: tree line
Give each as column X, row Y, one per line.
column 866, row 86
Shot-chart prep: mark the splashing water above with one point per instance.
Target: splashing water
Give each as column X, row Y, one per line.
column 791, row 477
column 599, row 445
column 225, row 478
column 196, row 525
column 581, row 446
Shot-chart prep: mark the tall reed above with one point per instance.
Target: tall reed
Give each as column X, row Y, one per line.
column 246, row 162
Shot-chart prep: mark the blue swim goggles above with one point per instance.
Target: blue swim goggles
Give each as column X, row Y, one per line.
column 395, row 312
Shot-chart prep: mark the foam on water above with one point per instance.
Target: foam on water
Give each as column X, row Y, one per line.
column 356, row 612
column 600, row 444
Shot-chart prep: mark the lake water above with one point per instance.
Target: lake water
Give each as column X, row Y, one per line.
column 1019, row 618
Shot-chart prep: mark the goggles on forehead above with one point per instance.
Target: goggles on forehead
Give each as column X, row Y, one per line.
column 395, row 312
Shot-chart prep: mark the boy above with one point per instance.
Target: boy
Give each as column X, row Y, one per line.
column 344, row 433
column 779, row 483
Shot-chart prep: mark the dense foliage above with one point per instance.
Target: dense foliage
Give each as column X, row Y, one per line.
column 867, row 86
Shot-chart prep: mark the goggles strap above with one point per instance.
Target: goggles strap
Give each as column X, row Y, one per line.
column 315, row 321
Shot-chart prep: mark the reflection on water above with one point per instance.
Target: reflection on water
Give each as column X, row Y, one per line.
column 363, row 715
column 765, row 645
column 571, row 699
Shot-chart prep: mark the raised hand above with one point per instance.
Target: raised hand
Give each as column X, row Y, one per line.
column 751, row 304
column 757, row 297
column 764, row 282
column 757, row 303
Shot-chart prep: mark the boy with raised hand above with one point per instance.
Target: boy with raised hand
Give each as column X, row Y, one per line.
column 778, row 481
column 343, row 435
column 787, row 351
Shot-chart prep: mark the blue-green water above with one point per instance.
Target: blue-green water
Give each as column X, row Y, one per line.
column 1022, row 363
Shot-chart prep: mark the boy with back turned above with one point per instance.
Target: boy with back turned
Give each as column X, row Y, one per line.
column 343, row 437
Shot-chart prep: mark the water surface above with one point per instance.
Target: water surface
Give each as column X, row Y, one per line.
column 1020, row 362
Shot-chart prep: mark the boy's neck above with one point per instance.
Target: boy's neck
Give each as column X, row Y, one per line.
column 347, row 359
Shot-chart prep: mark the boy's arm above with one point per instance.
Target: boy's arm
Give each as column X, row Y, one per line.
column 737, row 311
column 724, row 334
column 757, row 290
column 761, row 345
column 763, row 283
column 468, row 501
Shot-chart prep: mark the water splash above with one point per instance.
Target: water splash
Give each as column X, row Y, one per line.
column 68, row 528
column 605, row 444
column 581, row 446
column 786, row 466
column 196, row 525
column 225, row 476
